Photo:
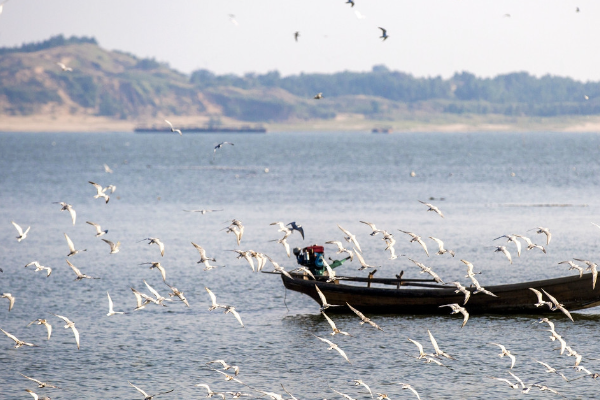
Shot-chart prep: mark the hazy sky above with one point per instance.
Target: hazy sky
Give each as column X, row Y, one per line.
column 427, row 37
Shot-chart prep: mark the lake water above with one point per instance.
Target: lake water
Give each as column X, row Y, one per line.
column 491, row 184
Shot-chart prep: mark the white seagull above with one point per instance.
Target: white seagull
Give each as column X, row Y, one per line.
column 341, row 248
column 416, row 238
column 572, row 265
column 506, row 353
column 172, row 129
column 545, row 231
column 541, row 302
column 146, row 395
column 114, row 248
column 39, row 267
column 407, row 386
column 323, row 299
column 40, row 384
column 157, row 242
column 70, row 324
column 64, row 68
column 111, row 310
column 100, row 192
column 159, row 267
column 350, row 238
column 503, row 250
column 558, row 306
column 72, row 250
column 431, row 206
column 80, row 276
column 333, row 346
column 99, row 231
column 363, row 319
column 458, row 309
column 69, row 208
column 217, row 147
column 10, row 298
column 42, row 321
column 333, row 327
column 18, row 343
column 591, row 267
column 440, row 244
column 22, row 235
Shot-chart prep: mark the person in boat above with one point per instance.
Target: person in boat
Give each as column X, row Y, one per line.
column 312, row 257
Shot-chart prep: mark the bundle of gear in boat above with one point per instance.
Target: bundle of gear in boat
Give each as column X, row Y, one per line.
column 313, row 258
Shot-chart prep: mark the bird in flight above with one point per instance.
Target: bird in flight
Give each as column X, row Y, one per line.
column 318, row 96
column 296, row 35
column 146, row 395
column 384, row 34
column 173, row 129
column 22, row 235
column 217, row 147
column 351, row 2
column 62, row 66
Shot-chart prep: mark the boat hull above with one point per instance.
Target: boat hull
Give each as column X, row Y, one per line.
column 573, row 292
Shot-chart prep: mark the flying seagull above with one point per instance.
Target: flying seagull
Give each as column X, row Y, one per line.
column 80, row 276
column 172, row 129
column 18, row 343
column 22, row 235
column 318, row 96
column 69, row 208
column 64, row 67
column 217, row 147
column 384, row 34
column 72, row 250
column 100, row 192
column 70, row 324
column 99, row 231
column 431, row 206
column 146, row 395
column 296, row 227
column 111, row 311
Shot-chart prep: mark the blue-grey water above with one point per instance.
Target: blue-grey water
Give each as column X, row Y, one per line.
column 492, row 184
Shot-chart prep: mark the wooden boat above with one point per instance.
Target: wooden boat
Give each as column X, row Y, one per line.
column 573, row 292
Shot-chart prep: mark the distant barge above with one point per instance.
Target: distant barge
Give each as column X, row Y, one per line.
column 204, row 129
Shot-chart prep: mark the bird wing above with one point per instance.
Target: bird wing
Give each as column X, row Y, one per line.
column 420, row 347
column 49, row 327
column 466, row 315
column 35, row 396
column 342, row 353
column 98, row 228
column 111, row 244
column 337, row 243
column 213, row 298
column 383, row 32
column 76, row 333
column 506, row 253
column 73, row 214
column 414, row 391
column 360, row 259
column 331, row 323
column 110, row 303
column 552, row 298
column 358, row 313
column 162, row 272
column 538, row 294
column 69, row 243
column 154, row 292
column 138, row 297
column 18, row 228
column 438, row 241
column 566, row 312
column 237, row 316
column 31, row 379
column 321, row 295
column 434, row 343
column 170, row 124
column 513, row 359
column 200, row 250
column 161, row 246
column 138, row 389
column 98, row 187
column 74, row 268
column 371, row 225
column 422, row 243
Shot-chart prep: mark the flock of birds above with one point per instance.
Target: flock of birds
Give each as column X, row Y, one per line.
column 142, row 300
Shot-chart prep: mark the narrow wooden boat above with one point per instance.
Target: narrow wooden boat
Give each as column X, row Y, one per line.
column 573, row 292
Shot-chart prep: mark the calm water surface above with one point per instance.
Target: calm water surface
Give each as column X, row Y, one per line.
column 492, row 184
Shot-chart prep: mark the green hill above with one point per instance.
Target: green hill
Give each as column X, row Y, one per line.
column 122, row 86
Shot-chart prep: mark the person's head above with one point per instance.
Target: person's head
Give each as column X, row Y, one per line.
column 297, row 250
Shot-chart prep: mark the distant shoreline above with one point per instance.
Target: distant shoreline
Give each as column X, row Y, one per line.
column 435, row 123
